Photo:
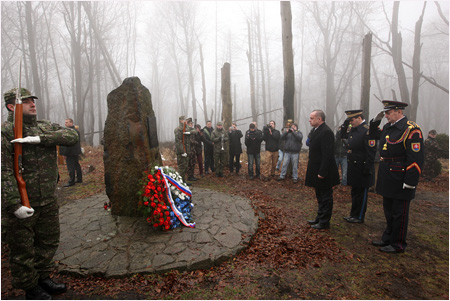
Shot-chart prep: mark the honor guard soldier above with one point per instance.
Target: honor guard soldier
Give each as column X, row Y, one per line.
column 182, row 147
column 401, row 160
column 220, row 139
column 32, row 229
column 360, row 157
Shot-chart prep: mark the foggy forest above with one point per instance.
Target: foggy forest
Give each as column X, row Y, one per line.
column 74, row 53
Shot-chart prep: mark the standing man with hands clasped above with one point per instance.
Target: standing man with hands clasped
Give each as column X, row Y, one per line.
column 401, row 161
column 33, row 233
column 322, row 172
column 360, row 157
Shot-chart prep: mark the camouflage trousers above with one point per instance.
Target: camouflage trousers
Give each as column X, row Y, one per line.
column 220, row 161
column 191, row 166
column 183, row 166
column 32, row 244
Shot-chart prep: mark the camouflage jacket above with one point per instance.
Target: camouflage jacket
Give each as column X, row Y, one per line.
column 216, row 137
column 181, row 146
column 40, row 169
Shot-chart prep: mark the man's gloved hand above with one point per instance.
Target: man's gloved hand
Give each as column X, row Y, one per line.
column 184, row 155
column 346, row 123
column 408, row 186
column 187, row 133
column 29, row 139
column 379, row 116
column 24, row 212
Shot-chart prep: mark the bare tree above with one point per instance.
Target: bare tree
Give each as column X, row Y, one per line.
column 288, row 61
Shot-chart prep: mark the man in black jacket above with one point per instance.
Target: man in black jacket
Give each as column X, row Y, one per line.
column 322, row 173
column 72, row 154
column 208, row 146
column 360, row 158
column 272, row 138
column 253, row 139
column 235, row 136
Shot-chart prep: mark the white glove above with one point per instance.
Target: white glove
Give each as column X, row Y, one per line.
column 408, row 186
column 24, row 212
column 379, row 116
column 184, row 155
column 187, row 133
column 29, row 139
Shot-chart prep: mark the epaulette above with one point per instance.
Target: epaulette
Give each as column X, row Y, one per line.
column 366, row 126
column 413, row 125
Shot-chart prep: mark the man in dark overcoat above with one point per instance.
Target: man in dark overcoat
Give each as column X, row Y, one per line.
column 360, row 157
column 322, row 172
column 235, row 148
column 401, row 162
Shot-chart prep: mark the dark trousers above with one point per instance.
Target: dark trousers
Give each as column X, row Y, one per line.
column 200, row 162
column 235, row 162
column 325, row 201
column 33, row 242
column 397, row 215
column 209, row 160
column 359, row 202
column 74, row 166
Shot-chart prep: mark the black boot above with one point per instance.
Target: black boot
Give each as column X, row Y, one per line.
column 52, row 287
column 37, row 293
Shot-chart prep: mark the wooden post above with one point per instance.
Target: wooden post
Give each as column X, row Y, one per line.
column 365, row 74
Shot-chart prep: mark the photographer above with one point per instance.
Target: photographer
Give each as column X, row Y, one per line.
column 292, row 146
column 272, row 138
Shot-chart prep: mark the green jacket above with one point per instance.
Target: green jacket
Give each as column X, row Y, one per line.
column 40, row 169
column 181, row 148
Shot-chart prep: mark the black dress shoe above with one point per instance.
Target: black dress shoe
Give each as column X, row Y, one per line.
column 379, row 243
column 313, row 221
column 52, row 287
column 355, row 220
column 319, row 226
column 390, row 249
column 37, row 293
column 69, row 184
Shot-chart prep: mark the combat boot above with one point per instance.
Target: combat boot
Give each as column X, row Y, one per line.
column 52, row 287
column 37, row 293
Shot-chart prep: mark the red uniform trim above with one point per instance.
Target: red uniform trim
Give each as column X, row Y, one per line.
column 414, row 165
column 415, row 131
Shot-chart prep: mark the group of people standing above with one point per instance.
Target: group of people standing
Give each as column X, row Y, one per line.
column 399, row 144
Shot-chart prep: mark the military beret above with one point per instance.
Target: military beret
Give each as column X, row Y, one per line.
column 353, row 113
column 394, row 105
column 10, row 96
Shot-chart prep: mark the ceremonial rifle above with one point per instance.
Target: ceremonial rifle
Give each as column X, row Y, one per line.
column 18, row 133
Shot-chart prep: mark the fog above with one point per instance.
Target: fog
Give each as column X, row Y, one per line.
column 74, row 53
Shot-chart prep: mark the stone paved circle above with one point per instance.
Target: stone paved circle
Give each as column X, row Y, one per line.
column 93, row 242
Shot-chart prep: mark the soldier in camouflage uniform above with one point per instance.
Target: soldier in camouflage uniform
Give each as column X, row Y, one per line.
column 192, row 146
column 431, row 167
column 220, row 139
column 182, row 147
column 34, row 232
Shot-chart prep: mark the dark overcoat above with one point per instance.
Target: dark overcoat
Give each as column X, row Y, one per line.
column 321, row 159
column 235, row 142
column 360, row 157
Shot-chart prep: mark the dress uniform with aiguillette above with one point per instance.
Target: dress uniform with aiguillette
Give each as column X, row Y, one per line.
column 360, row 168
column 401, row 151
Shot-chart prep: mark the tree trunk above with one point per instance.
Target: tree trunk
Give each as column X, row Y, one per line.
column 252, row 76
column 263, row 79
column 365, row 74
column 397, row 57
column 227, row 105
column 40, row 107
column 205, row 110
column 416, row 67
column 288, row 61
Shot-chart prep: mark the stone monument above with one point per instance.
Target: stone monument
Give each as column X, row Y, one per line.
column 131, row 145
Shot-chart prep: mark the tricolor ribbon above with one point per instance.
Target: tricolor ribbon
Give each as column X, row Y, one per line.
column 181, row 188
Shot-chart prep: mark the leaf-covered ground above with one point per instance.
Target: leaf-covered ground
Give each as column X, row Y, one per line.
column 286, row 258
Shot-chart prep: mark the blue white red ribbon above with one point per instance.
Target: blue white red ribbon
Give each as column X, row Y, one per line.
column 181, row 188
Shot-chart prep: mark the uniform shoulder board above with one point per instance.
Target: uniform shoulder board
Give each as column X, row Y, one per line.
column 413, row 124
column 366, row 126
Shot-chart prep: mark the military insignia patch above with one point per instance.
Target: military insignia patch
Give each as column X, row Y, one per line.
column 372, row 143
column 415, row 147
